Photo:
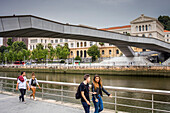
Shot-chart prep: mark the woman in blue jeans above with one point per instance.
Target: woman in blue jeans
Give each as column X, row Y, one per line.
column 97, row 98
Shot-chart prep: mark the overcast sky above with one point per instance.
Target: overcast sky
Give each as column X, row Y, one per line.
column 96, row 13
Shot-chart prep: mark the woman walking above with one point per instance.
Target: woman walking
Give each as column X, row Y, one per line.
column 33, row 83
column 96, row 98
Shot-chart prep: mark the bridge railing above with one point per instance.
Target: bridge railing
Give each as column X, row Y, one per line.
column 6, row 84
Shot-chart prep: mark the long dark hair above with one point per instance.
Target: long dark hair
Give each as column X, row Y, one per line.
column 96, row 84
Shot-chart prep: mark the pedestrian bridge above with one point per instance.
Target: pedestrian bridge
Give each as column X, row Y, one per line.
column 32, row 26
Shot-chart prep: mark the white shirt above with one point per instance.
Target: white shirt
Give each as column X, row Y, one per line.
column 22, row 85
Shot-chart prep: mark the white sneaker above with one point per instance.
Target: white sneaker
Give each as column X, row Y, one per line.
column 35, row 99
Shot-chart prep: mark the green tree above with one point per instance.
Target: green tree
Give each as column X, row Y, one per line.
column 50, row 46
column 51, row 54
column 2, row 49
column 39, row 46
column 1, row 57
column 94, row 52
column 20, row 56
column 9, row 42
column 77, row 58
column 165, row 21
column 18, row 46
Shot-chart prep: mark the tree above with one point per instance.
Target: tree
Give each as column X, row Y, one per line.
column 1, row 57
column 9, row 42
column 18, row 46
column 165, row 21
column 39, row 46
column 77, row 58
column 51, row 54
column 94, row 52
column 101, row 43
column 65, row 52
column 2, row 49
column 50, row 46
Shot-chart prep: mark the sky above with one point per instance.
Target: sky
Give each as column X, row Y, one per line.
column 94, row 13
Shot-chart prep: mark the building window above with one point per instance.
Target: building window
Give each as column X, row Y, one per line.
column 72, row 44
column 136, row 28
column 56, row 41
column 149, row 27
column 31, row 47
column 77, row 53
column 77, row 44
column 45, row 41
column 81, row 44
column 144, row 49
column 85, row 53
column 167, row 35
column 71, row 53
column 34, row 41
column 110, row 52
column 81, row 53
column 146, row 27
column 150, row 35
column 102, row 52
column 143, row 35
column 41, row 40
column 51, row 41
column 91, row 43
column 66, row 40
column 143, row 28
column 61, row 40
column 85, row 44
column 117, row 51
column 139, row 28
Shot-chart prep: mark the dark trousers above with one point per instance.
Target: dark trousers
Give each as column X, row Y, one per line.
column 22, row 91
column 98, row 105
column 86, row 107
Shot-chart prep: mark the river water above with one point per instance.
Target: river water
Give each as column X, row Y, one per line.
column 160, row 83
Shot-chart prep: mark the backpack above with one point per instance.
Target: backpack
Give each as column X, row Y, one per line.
column 78, row 94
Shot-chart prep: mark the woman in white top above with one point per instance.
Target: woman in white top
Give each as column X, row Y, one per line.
column 33, row 83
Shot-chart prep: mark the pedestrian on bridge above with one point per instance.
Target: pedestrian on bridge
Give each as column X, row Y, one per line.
column 33, row 83
column 22, row 85
column 97, row 87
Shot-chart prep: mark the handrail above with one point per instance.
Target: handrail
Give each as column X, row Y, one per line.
column 137, row 90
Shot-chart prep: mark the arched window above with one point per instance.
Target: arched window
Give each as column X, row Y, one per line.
column 143, row 35
column 77, row 53
column 81, row 53
column 77, row 44
column 149, row 27
column 136, row 28
column 150, row 35
column 102, row 52
column 85, row 44
column 110, row 52
column 85, row 53
column 31, row 47
column 117, row 51
column 143, row 28
column 71, row 53
column 139, row 28
column 81, row 44
column 146, row 27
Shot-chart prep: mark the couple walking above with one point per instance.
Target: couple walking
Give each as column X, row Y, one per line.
column 22, row 85
column 97, row 89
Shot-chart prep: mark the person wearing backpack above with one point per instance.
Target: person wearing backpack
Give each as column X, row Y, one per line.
column 33, row 83
column 83, row 93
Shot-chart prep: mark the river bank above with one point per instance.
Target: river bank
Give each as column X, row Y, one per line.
column 121, row 72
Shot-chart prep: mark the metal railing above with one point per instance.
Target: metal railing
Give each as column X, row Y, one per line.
column 152, row 101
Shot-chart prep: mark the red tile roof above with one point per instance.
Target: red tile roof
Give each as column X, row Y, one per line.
column 119, row 27
column 166, row 31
